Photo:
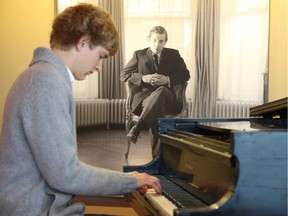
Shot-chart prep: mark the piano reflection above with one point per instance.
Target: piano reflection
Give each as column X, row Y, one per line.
column 220, row 166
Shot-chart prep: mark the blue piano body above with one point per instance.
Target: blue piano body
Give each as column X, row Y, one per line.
column 234, row 167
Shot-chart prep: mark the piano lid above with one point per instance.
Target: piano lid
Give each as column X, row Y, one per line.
column 277, row 108
column 228, row 126
column 248, row 126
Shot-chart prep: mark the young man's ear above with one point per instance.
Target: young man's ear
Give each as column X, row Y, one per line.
column 83, row 42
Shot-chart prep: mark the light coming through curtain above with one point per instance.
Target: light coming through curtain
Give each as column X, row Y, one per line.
column 243, row 49
column 207, row 58
column 109, row 83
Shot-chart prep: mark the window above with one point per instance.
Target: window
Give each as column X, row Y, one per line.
column 243, row 41
column 244, row 28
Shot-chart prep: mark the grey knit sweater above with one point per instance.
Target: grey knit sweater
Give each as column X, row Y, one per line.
column 39, row 166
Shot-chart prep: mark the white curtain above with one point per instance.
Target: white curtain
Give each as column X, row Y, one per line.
column 244, row 26
column 88, row 88
column 110, row 86
column 207, row 59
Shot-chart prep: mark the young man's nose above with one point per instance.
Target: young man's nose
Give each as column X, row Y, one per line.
column 98, row 67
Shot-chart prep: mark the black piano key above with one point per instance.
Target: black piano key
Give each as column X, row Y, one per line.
column 180, row 197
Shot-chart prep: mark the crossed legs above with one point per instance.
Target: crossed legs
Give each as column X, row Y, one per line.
column 156, row 105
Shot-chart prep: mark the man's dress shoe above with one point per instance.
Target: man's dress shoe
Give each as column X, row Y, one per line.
column 133, row 134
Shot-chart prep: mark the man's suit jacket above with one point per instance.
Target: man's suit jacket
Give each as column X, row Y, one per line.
column 142, row 63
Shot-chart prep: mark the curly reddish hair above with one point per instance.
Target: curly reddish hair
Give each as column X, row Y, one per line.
column 84, row 20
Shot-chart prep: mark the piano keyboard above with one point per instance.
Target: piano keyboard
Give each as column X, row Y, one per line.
column 172, row 197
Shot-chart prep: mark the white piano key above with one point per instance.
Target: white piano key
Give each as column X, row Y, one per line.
column 160, row 203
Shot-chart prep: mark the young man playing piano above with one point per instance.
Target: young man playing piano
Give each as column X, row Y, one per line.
column 39, row 166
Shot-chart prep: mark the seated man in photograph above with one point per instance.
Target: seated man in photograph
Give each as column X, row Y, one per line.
column 153, row 72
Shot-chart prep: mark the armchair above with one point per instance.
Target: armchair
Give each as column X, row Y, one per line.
column 131, row 118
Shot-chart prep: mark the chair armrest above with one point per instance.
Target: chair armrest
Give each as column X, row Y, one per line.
column 180, row 92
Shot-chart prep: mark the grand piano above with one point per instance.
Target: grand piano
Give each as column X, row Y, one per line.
column 208, row 167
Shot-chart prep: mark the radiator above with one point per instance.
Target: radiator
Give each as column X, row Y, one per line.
column 117, row 111
column 227, row 109
column 91, row 112
column 105, row 112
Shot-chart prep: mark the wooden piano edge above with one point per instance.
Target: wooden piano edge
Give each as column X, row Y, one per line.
column 112, row 205
column 140, row 205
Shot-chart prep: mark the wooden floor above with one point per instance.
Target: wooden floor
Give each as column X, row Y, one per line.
column 106, row 148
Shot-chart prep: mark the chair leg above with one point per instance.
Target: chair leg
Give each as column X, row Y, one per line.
column 128, row 125
column 128, row 148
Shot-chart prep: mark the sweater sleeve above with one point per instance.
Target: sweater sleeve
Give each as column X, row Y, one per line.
column 49, row 123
